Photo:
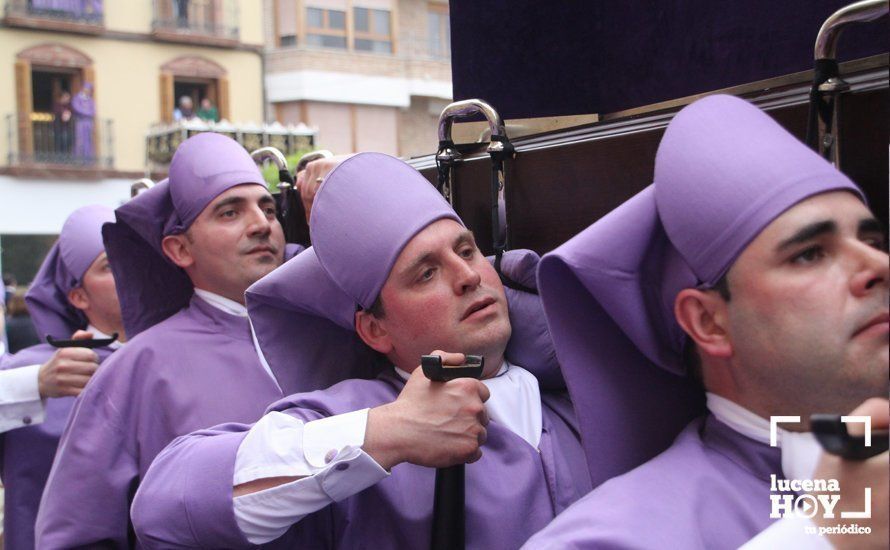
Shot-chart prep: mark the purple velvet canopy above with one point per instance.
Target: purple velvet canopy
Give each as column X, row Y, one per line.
column 724, row 171
column 203, row 167
column 366, row 211
column 79, row 244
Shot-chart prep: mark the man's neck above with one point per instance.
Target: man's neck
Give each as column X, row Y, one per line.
column 106, row 329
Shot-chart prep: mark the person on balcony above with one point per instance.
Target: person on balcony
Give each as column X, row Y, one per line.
column 84, row 109
column 208, row 111
column 186, row 109
column 62, row 124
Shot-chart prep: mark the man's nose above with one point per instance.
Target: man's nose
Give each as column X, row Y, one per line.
column 872, row 270
column 466, row 276
column 259, row 223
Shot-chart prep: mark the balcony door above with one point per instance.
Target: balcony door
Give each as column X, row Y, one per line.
column 47, row 79
column 197, row 78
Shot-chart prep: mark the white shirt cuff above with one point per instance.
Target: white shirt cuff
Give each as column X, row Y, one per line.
column 326, row 453
column 20, row 402
column 790, row 532
column 280, row 445
column 266, row 515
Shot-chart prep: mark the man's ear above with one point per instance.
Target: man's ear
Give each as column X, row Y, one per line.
column 79, row 298
column 176, row 248
column 703, row 316
column 372, row 332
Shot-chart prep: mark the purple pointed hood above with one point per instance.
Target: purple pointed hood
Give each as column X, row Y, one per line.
column 366, row 211
column 203, row 167
column 724, row 170
column 79, row 244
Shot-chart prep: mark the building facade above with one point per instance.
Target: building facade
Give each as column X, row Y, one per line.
column 370, row 75
column 86, row 80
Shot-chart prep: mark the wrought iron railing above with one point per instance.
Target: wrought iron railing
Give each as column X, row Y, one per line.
column 162, row 140
column 41, row 140
column 212, row 18
column 90, row 12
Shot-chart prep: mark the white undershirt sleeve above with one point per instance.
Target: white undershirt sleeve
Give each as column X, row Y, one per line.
column 20, row 402
column 325, row 453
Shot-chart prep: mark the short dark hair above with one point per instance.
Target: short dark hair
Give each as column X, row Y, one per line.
column 722, row 288
column 376, row 308
column 691, row 357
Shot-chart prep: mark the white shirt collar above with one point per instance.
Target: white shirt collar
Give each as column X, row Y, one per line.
column 800, row 450
column 222, row 303
column 515, row 401
column 99, row 335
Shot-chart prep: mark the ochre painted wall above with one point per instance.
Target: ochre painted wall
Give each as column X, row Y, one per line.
column 127, row 80
column 136, row 16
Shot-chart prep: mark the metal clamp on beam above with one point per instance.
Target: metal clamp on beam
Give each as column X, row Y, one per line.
column 499, row 148
column 291, row 213
column 828, row 85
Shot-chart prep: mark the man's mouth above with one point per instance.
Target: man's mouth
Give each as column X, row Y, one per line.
column 262, row 249
column 477, row 306
column 877, row 324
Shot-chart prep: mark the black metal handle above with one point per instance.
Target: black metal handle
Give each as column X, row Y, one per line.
column 434, row 369
column 448, row 504
column 86, row 343
column 832, row 434
column 448, row 509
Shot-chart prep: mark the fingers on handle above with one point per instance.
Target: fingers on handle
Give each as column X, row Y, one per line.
column 453, row 359
column 877, row 409
column 484, row 394
column 79, row 354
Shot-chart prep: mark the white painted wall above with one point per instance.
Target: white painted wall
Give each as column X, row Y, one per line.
column 356, row 89
column 39, row 207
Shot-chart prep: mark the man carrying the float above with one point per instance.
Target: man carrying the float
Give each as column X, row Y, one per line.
column 185, row 251
column 755, row 268
column 396, row 275
column 72, row 294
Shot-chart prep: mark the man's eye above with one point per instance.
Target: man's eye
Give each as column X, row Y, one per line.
column 876, row 242
column 427, row 274
column 810, row 255
column 467, row 253
column 270, row 211
column 228, row 214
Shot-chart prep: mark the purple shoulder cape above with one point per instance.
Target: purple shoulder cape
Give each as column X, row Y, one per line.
column 196, row 369
column 709, row 490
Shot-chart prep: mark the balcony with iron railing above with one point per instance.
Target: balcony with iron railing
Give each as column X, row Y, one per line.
column 207, row 22
column 163, row 139
column 81, row 16
column 43, row 142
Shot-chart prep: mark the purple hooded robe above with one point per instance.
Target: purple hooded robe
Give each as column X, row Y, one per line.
column 26, row 453
column 737, row 170
column 186, row 498
column 188, row 365
column 84, row 108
